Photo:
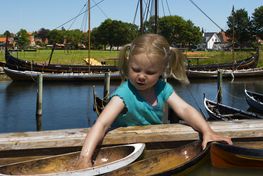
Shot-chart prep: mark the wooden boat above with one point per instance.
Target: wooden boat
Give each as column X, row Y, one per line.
column 238, row 155
column 219, row 111
column 158, row 158
column 18, row 75
column 225, row 73
column 254, row 99
column 250, row 62
column 172, row 161
column 24, row 65
column 107, row 159
column 20, row 146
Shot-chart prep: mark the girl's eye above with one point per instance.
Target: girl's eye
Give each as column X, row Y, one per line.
column 151, row 72
column 135, row 69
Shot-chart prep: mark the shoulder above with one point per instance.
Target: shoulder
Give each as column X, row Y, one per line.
column 164, row 89
column 123, row 91
column 164, row 86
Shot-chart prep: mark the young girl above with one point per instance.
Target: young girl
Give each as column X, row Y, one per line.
column 141, row 98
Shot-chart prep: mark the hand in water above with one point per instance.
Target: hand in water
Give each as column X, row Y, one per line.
column 83, row 163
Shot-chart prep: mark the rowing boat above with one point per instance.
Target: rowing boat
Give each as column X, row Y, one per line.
column 180, row 160
column 254, row 100
column 18, row 75
column 250, row 62
column 106, row 160
column 238, row 155
column 219, row 111
column 226, row 73
column 157, row 159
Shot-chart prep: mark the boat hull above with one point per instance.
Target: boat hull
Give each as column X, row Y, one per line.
column 247, row 63
column 17, row 75
column 173, row 161
column 195, row 74
column 254, row 100
column 106, row 160
column 248, row 155
column 219, row 111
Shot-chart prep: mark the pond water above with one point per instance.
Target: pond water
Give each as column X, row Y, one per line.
column 70, row 105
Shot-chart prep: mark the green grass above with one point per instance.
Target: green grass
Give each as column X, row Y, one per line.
column 77, row 56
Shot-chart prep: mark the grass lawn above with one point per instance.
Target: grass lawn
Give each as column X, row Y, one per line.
column 78, row 56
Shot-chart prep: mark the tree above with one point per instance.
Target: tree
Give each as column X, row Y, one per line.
column 55, row 36
column 73, row 37
column 257, row 21
column 7, row 34
column 178, row 31
column 240, row 30
column 22, row 38
column 115, row 33
column 42, row 34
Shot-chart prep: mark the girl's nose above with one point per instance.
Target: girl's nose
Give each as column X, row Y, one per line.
column 141, row 77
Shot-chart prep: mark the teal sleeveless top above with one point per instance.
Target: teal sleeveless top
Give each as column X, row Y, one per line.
column 137, row 111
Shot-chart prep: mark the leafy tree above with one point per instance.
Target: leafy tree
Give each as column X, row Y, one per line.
column 55, row 36
column 257, row 20
column 22, row 38
column 7, row 34
column 115, row 33
column 42, row 33
column 73, row 37
column 240, row 30
column 177, row 31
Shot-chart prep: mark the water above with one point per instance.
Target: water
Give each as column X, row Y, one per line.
column 69, row 105
column 65, row 105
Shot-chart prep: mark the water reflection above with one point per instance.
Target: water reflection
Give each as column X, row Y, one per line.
column 70, row 105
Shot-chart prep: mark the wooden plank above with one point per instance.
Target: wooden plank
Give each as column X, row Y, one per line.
column 145, row 134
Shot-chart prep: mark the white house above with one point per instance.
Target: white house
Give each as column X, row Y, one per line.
column 211, row 39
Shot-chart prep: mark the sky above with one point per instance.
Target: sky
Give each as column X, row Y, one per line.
column 33, row 15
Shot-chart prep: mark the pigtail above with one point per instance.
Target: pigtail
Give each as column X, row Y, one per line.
column 123, row 61
column 176, row 66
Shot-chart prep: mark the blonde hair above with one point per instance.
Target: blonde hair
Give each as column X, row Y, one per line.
column 155, row 47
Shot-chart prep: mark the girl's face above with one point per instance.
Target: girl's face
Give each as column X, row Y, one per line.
column 144, row 73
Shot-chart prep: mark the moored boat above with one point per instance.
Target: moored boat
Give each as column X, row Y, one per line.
column 172, row 161
column 238, row 155
column 226, row 73
column 219, row 111
column 18, row 75
column 107, row 159
column 250, row 62
column 15, row 63
column 254, row 100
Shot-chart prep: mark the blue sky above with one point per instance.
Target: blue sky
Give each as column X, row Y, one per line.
column 35, row 14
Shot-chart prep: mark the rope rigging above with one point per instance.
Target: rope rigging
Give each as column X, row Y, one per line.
column 95, row 5
column 206, row 15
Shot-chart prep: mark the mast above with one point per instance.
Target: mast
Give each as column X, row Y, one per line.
column 155, row 15
column 233, row 35
column 141, row 17
column 89, row 33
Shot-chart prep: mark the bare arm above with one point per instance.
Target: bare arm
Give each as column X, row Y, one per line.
column 98, row 130
column 194, row 119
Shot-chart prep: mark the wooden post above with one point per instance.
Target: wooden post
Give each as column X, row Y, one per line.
column 219, row 86
column 39, row 103
column 106, row 86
